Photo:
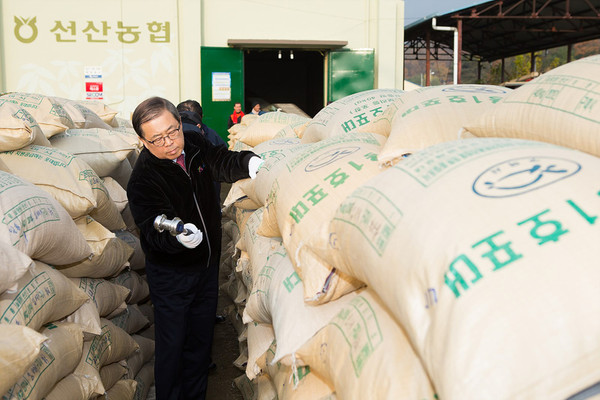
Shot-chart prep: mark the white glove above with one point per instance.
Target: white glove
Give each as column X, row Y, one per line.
column 191, row 240
column 253, row 165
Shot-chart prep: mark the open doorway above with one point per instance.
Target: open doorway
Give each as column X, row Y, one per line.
column 284, row 76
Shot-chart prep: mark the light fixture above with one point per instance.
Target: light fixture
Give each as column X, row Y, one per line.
column 279, row 55
column 291, row 54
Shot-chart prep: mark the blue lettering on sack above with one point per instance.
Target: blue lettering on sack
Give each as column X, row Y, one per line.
column 521, row 175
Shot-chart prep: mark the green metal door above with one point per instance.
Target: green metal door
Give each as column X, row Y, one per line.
column 349, row 72
column 218, row 64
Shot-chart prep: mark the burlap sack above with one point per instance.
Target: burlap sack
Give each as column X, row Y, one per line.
column 124, row 389
column 137, row 261
column 131, row 320
column 297, row 384
column 13, row 265
column 105, row 112
column 147, row 309
column 102, row 149
column 68, row 179
column 47, row 111
column 18, row 128
column 243, row 271
column 241, row 217
column 364, row 353
column 112, row 345
column 149, row 332
column 277, row 299
column 266, row 126
column 304, row 198
column 232, row 231
column 87, row 317
column 260, row 337
column 287, row 132
column 242, row 360
column 117, row 193
column 482, row 243
column 430, row 115
column 270, row 171
column 248, row 119
column 557, row 107
column 35, row 224
column 129, row 222
column 259, row 248
column 111, row 373
column 58, row 357
column 19, row 347
column 43, row 295
column 348, row 114
column 144, row 354
column 109, row 253
column 123, row 122
column 234, row 317
column 82, row 117
column 249, row 389
column 236, row 145
column 144, row 379
column 137, row 285
column 244, row 188
column 72, row 387
column 235, row 290
column 107, row 296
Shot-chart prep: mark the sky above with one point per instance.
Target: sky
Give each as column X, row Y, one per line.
column 415, row 10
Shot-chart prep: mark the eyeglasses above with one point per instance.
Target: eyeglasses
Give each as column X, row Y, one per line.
column 161, row 140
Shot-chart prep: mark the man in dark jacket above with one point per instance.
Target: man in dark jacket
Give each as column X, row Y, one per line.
column 191, row 114
column 174, row 175
column 192, row 117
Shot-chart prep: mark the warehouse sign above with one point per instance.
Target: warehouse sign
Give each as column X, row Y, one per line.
column 93, row 31
column 221, row 86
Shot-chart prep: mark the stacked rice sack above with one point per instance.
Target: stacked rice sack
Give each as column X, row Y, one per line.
column 254, row 130
column 423, row 255
column 68, row 256
column 292, row 295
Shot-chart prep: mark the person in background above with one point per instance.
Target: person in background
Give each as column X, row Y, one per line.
column 256, row 109
column 236, row 116
column 174, row 177
column 191, row 114
column 191, row 117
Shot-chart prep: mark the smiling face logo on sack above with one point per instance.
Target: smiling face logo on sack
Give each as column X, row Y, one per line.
column 521, row 175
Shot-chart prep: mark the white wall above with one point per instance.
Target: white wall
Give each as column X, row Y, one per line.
column 53, row 61
column 130, row 72
column 377, row 24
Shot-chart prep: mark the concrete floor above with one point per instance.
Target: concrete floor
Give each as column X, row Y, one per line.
column 225, row 346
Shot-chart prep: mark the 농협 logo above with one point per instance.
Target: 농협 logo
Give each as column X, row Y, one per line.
column 521, row 175
column 25, row 29
column 329, row 157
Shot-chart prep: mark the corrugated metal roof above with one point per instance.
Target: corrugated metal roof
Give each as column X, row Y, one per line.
column 498, row 29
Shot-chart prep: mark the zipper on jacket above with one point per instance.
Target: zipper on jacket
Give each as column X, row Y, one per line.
column 199, row 212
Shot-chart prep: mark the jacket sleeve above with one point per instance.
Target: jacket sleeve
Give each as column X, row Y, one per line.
column 147, row 201
column 224, row 165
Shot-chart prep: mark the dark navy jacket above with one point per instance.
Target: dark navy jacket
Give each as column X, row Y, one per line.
column 159, row 186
